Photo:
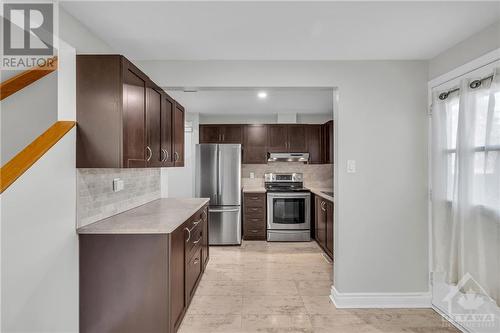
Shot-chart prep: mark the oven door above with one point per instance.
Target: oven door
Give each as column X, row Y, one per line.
column 288, row 210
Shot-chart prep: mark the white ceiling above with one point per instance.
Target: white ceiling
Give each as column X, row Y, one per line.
column 283, row 30
column 245, row 101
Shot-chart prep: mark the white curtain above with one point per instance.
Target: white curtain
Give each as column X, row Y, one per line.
column 466, row 184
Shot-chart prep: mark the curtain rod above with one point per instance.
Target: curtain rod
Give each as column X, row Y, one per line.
column 473, row 85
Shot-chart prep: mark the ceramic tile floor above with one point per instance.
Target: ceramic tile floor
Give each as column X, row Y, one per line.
column 285, row 287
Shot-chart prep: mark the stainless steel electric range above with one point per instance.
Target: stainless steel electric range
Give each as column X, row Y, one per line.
column 288, row 208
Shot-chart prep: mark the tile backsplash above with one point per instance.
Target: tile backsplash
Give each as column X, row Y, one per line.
column 315, row 175
column 96, row 199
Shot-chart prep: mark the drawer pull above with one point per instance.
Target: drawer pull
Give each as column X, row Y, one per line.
column 196, row 261
column 189, row 234
column 196, row 222
column 199, row 239
column 254, row 231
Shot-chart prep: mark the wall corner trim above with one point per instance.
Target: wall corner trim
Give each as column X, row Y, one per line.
column 380, row 300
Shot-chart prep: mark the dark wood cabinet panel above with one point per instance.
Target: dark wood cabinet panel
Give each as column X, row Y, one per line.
column 178, row 135
column 232, row 134
column 323, row 223
column 140, row 282
column 167, row 131
column 124, row 119
column 277, row 138
column 134, row 116
column 255, row 144
column 154, row 153
column 254, row 216
column 329, row 227
column 328, row 142
column 313, row 140
column 177, row 277
column 296, row 138
column 210, row 134
column 221, row 133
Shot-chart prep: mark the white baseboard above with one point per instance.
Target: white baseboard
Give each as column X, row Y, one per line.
column 380, row 300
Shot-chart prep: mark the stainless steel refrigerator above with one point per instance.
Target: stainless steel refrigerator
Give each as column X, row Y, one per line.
column 218, row 177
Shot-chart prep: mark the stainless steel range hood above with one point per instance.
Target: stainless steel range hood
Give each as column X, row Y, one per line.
column 288, row 157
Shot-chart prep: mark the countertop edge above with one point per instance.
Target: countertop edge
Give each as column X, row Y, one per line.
column 318, row 192
column 88, row 230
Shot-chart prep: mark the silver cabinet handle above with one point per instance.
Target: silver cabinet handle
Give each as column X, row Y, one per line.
column 223, row 137
column 323, row 206
column 199, row 239
column 204, row 213
column 196, row 261
column 149, row 153
column 189, row 234
column 195, row 223
column 176, row 156
column 164, row 154
column 167, row 155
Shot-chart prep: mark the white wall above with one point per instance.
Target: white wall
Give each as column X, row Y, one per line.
column 27, row 114
column 382, row 124
column 472, row 48
column 74, row 33
column 39, row 246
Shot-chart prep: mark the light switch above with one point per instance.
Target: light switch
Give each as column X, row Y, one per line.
column 351, row 166
column 118, row 184
column 252, row 175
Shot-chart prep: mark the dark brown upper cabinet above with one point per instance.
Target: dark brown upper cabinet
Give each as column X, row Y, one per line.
column 178, row 144
column 221, row 133
column 255, row 144
column 277, row 138
column 124, row 119
column 287, row 139
column 314, row 143
column 327, row 142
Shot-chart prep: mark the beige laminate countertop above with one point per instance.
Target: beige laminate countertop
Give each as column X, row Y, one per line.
column 317, row 191
column 254, row 189
column 160, row 216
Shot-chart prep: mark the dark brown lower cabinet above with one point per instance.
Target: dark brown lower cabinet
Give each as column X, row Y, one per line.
column 141, row 282
column 323, row 224
column 254, row 216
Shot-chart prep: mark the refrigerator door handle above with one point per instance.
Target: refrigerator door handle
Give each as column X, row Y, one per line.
column 223, row 210
column 219, row 176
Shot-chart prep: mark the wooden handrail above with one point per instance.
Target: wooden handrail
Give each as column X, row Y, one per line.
column 18, row 82
column 32, row 153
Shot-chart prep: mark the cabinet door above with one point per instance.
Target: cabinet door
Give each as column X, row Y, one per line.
column 328, row 142
column 178, row 302
column 193, row 273
column 313, row 139
column 167, row 110
column 255, row 144
column 134, row 116
column 204, row 244
column 320, row 221
column 231, row 134
column 210, row 134
column 154, row 154
column 296, row 138
column 277, row 141
column 178, row 135
column 329, row 227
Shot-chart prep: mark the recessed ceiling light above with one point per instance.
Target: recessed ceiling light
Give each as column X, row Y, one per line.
column 262, row 94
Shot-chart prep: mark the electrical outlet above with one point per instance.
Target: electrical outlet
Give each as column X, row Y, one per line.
column 118, row 184
column 252, row 175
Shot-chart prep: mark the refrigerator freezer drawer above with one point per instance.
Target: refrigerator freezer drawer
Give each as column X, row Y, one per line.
column 224, row 225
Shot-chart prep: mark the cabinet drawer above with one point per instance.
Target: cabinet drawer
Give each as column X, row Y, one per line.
column 253, row 233
column 255, row 211
column 255, row 222
column 193, row 272
column 255, row 200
